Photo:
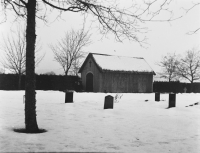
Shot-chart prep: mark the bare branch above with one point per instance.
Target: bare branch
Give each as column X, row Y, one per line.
column 16, row 6
column 71, row 8
column 123, row 22
column 69, row 49
column 19, row 5
column 14, row 49
column 193, row 32
column 168, row 64
column 23, row 2
column 193, row 6
column 187, row 10
column 189, row 65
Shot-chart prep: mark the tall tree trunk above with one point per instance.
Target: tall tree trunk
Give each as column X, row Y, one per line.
column 30, row 102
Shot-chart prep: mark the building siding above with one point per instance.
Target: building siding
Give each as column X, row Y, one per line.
column 96, row 74
column 126, row 82
column 116, row 82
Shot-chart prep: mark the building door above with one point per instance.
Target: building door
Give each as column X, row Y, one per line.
column 89, row 82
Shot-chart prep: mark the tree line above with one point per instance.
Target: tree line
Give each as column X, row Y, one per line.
column 181, row 67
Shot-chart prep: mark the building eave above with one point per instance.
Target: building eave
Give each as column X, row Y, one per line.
column 128, row 72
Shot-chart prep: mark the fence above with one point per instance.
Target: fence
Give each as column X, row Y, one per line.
column 43, row 82
column 60, row 82
column 176, row 87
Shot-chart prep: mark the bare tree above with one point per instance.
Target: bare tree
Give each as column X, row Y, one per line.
column 189, row 65
column 14, row 57
column 123, row 22
column 168, row 64
column 77, row 63
column 69, row 49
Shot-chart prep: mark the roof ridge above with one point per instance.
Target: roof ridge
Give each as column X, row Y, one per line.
column 117, row 55
column 101, row 54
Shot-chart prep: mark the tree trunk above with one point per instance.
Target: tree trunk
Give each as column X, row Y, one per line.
column 19, row 81
column 191, row 87
column 66, row 80
column 30, row 102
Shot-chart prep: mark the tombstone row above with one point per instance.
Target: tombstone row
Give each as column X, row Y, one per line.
column 172, row 99
column 109, row 100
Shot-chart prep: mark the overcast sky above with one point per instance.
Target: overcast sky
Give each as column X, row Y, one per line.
column 163, row 37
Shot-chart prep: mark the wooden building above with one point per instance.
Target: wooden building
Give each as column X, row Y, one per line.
column 116, row 74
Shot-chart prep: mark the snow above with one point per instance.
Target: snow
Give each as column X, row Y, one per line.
column 121, row 63
column 136, row 124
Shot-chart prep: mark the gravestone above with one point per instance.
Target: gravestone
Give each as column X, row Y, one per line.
column 69, row 97
column 172, row 100
column 185, row 90
column 108, row 103
column 157, row 96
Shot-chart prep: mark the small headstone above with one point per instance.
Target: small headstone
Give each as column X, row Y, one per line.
column 68, row 97
column 172, row 100
column 185, row 90
column 108, row 103
column 157, row 96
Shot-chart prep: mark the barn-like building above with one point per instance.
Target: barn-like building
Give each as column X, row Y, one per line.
column 116, row 74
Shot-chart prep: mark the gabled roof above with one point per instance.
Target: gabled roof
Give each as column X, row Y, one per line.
column 119, row 63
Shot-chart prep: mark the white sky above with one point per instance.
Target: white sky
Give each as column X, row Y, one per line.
column 163, row 37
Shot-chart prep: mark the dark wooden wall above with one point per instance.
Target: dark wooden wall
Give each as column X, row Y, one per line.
column 127, row 82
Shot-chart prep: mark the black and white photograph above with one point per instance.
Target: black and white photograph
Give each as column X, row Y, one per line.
column 100, row 76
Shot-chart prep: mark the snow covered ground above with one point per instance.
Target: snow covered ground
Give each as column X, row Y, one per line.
column 136, row 124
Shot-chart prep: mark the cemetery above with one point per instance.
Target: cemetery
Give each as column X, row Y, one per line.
column 74, row 76
column 93, row 123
